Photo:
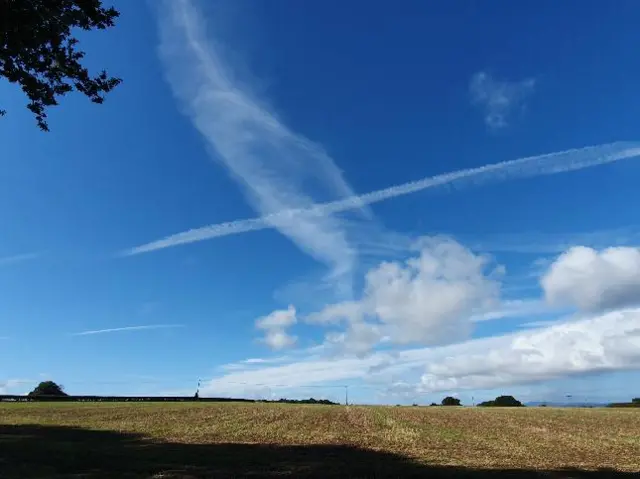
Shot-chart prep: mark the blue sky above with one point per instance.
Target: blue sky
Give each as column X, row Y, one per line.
column 284, row 198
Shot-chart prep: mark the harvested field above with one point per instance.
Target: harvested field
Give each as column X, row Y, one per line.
column 186, row 440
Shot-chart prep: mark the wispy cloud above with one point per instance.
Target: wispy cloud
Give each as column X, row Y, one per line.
column 498, row 98
column 251, row 363
column 554, row 243
column 129, row 328
column 267, row 160
column 516, row 308
column 18, row 258
column 609, row 342
column 16, row 386
column 549, row 164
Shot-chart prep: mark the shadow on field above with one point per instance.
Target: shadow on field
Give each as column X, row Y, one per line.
column 55, row 452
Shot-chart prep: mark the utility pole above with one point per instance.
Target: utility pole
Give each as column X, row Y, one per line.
column 346, row 395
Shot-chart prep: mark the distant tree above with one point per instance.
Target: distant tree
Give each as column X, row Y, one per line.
column 197, row 395
column 450, row 401
column 38, row 51
column 415, row 404
column 48, row 388
column 307, row 401
column 433, row 404
column 636, row 400
column 502, row 401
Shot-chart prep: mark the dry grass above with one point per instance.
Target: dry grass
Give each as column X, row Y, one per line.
column 238, row 440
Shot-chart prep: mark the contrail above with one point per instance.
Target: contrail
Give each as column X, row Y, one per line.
column 549, row 164
column 128, row 328
column 276, row 168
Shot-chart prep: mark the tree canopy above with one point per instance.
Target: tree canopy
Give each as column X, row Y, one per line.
column 502, row 401
column 48, row 388
column 451, row 401
column 39, row 52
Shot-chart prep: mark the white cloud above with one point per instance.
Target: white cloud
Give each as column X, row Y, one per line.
column 499, row 98
column 350, row 311
column 275, row 325
column 603, row 343
column 129, row 328
column 428, row 299
column 16, row 386
column 279, row 339
column 299, row 374
column 606, row 342
column 540, row 165
column 513, row 309
column 278, row 319
column 259, row 360
column 275, row 167
column 594, row 280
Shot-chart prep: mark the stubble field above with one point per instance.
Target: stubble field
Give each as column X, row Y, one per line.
column 188, row 440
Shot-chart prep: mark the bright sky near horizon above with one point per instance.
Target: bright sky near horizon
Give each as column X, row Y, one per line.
column 283, row 198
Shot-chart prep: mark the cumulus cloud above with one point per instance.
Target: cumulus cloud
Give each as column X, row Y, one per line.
column 498, row 98
column 428, row 299
column 604, row 343
column 275, row 326
column 593, row 280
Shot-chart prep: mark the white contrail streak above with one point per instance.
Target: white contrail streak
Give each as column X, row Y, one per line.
column 276, row 168
column 17, row 258
column 550, row 164
column 129, row 328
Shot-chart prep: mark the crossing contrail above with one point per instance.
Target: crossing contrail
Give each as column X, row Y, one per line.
column 549, row 164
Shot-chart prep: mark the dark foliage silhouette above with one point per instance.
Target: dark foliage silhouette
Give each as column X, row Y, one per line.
column 635, row 402
column 48, row 389
column 450, row 401
column 502, row 401
column 39, row 52
column 308, row 401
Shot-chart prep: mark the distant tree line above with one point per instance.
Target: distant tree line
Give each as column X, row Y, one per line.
column 635, row 402
column 307, row 401
column 69, row 398
column 502, row 401
column 450, row 401
column 50, row 391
